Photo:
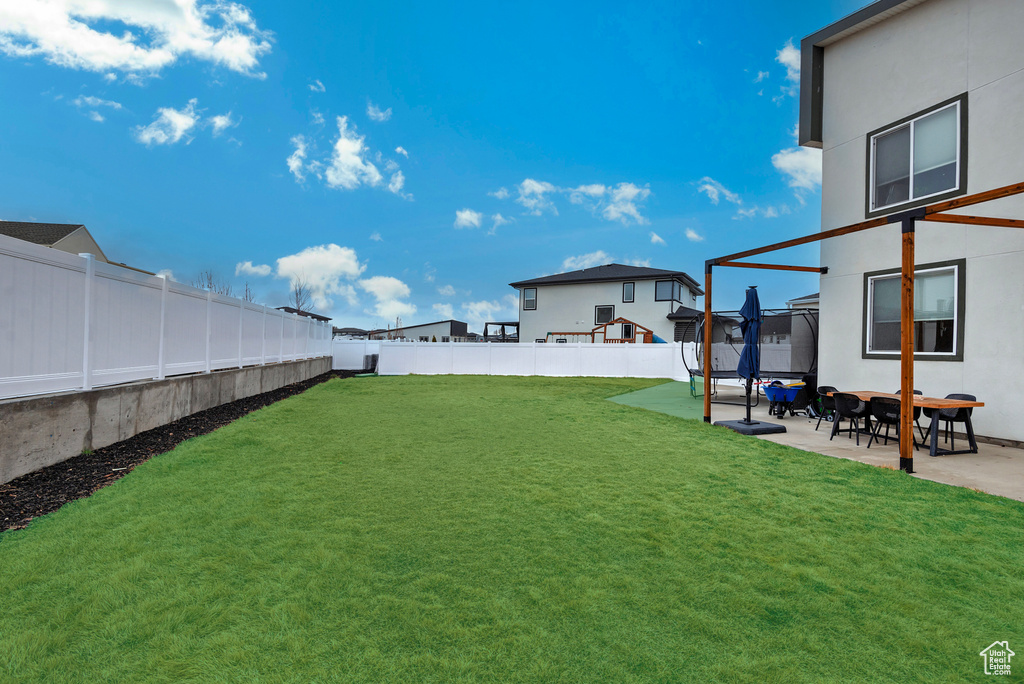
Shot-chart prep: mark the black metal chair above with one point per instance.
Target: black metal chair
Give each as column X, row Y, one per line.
column 917, row 415
column 886, row 411
column 957, row 415
column 828, row 404
column 849, row 407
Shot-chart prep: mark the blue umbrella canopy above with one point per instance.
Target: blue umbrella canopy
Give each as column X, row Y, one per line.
column 750, row 356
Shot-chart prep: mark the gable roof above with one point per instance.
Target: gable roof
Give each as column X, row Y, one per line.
column 45, row 234
column 806, row 298
column 812, row 61
column 612, row 272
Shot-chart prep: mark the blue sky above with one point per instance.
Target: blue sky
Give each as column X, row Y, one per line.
column 412, row 159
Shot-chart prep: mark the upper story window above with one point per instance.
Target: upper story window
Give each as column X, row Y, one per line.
column 919, row 159
column 529, row 298
column 627, row 292
column 938, row 312
column 603, row 314
column 668, row 291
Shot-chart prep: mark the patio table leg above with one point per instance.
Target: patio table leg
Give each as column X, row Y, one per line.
column 934, row 430
column 970, row 436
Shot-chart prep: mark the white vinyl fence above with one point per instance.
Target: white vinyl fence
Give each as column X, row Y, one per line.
column 556, row 360
column 70, row 322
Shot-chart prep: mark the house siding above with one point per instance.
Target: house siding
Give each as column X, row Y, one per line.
column 928, row 54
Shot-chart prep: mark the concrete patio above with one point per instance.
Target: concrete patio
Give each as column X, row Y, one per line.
column 997, row 470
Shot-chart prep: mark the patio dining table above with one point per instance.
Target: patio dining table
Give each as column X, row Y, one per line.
column 937, row 404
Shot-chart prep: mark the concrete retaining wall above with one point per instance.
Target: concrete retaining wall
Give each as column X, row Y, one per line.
column 39, row 431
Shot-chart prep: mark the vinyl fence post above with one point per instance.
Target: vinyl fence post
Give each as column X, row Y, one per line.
column 241, row 321
column 209, row 329
column 161, row 372
column 90, row 272
column 280, row 355
column 263, row 339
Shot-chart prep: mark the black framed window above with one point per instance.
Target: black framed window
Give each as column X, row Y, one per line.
column 668, row 291
column 628, row 292
column 939, row 307
column 919, row 159
column 529, row 298
column 627, row 331
column 603, row 314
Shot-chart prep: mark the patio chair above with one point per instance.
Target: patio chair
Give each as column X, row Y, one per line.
column 827, row 405
column 886, row 412
column 849, row 407
column 917, row 415
column 950, row 416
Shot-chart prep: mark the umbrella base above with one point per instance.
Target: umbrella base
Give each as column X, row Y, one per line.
column 754, row 427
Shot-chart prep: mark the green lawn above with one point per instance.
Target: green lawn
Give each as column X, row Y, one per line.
column 507, row 529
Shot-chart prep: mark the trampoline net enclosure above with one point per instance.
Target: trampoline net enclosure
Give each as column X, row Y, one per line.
column 788, row 343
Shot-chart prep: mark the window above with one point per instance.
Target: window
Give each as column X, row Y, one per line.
column 529, row 298
column 938, row 312
column 540, row 341
column 668, row 291
column 424, row 338
column 603, row 314
column 627, row 331
column 446, row 338
column 919, row 158
column 627, row 292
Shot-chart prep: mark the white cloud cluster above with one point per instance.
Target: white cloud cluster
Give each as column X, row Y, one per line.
column 95, row 102
column 613, row 203
column 170, row 125
column 575, row 263
column 445, row 311
column 402, row 151
column 789, row 57
column 327, row 270
column 350, row 164
column 247, row 268
column 694, row 236
column 376, row 237
column 498, row 222
column 656, row 239
column 446, row 291
column 388, row 293
column 376, row 113
column 467, row 218
column 478, row 313
column 173, row 125
column 715, row 191
column 802, row 166
column 317, row 87
column 133, row 38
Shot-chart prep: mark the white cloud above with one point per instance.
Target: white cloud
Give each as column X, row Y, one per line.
column 317, row 87
column 478, row 313
column 388, row 293
column 761, row 75
column 318, row 118
column 402, row 151
column 622, row 203
column 575, row 263
column 715, row 190
column 247, row 268
column 166, row 273
column 445, row 311
column 446, row 291
column 500, row 193
column 802, row 166
column 375, row 113
column 80, row 34
column 170, row 126
column 376, row 237
column 94, row 102
column 694, row 236
column 222, row 122
column 324, row 269
column 656, row 239
column 467, row 218
column 746, row 213
column 499, row 221
column 512, row 302
column 645, row 263
column 348, row 168
column 594, row 191
column 396, row 184
column 533, row 196
column 97, row 117
column 429, row 272
column 296, row 160
column 789, row 57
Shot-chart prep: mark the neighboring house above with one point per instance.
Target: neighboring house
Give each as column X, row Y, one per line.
column 307, row 314
column 73, row 238
column 349, row 334
column 914, row 102
column 806, row 302
column 577, row 301
column 443, row 331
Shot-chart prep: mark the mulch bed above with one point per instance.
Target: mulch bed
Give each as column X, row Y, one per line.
column 46, row 490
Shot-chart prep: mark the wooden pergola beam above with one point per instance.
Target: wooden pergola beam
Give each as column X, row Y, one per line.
column 774, row 267
column 975, row 220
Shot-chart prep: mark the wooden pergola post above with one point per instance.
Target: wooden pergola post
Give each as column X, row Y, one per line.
column 907, row 348
column 707, row 342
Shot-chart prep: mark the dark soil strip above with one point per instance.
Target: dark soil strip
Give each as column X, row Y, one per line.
column 46, row 490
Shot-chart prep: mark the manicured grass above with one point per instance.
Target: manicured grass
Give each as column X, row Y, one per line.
column 507, row 529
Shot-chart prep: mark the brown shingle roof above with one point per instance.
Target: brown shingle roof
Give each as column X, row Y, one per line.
column 45, row 234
